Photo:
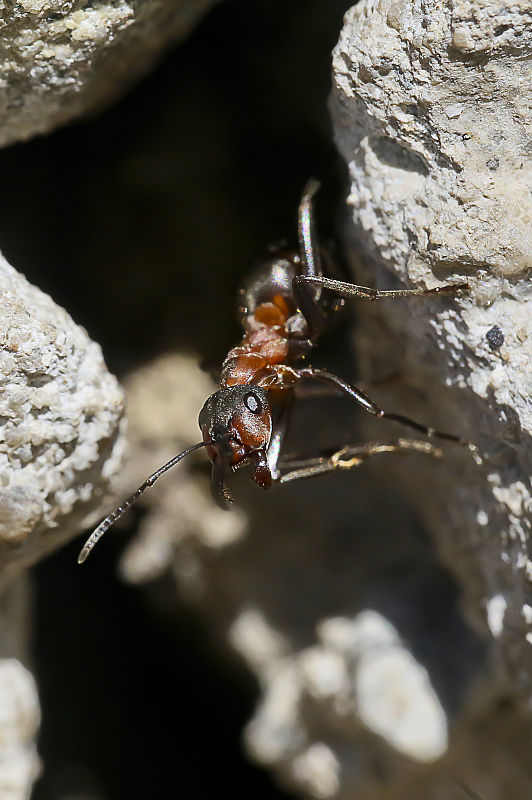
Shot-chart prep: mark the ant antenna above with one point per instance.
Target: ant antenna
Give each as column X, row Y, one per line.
column 98, row 532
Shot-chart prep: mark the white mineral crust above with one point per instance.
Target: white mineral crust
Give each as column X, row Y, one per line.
column 19, row 721
column 358, row 675
column 61, row 58
column 60, row 424
column 432, row 109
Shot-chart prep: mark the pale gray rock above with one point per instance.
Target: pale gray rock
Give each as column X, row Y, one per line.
column 356, row 714
column 61, row 420
column 432, row 105
column 63, row 58
column 358, row 675
column 19, row 721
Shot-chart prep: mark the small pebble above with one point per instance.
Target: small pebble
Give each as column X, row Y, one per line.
column 495, row 337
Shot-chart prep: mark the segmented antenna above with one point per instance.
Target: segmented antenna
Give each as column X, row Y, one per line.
column 98, row 532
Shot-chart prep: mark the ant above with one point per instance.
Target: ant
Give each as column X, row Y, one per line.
column 283, row 307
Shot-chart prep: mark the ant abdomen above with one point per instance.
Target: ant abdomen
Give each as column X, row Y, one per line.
column 270, row 280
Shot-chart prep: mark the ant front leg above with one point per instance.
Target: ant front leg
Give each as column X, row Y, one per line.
column 349, row 457
column 348, row 290
column 305, row 293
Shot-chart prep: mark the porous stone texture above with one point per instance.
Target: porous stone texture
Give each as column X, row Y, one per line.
column 432, row 105
column 61, row 419
column 62, row 58
column 356, row 715
column 357, row 675
column 19, row 721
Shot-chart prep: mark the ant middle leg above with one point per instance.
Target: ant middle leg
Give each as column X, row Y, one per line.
column 371, row 407
column 349, row 457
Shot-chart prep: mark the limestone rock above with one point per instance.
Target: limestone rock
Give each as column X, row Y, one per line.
column 432, row 106
column 60, row 423
column 357, row 714
column 19, row 720
column 62, row 58
column 358, row 676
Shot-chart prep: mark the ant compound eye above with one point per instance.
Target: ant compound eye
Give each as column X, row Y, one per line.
column 253, row 403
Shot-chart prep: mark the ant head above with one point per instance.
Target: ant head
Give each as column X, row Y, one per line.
column 236, row 424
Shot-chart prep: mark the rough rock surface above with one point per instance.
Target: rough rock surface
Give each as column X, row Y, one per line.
column 376, row 680
column 19, row 720
column 60, row 424
column 359, row 675
column 432, row 105
column 432, row 112
column 357, row 714
column 61, row 58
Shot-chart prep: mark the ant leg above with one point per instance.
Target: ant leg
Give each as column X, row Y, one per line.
column 279, row 432
column 309, row 253
column 307, row 286
column 309, row 392
column 344, row 289
column 349, row 457
column 370, row 406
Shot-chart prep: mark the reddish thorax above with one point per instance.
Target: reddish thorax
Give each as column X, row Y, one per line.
column 264, row 344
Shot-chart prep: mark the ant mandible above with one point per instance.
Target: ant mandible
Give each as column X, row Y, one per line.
column 283, row 307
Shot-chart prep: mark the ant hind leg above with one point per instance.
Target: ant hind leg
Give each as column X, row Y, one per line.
column 349, row 457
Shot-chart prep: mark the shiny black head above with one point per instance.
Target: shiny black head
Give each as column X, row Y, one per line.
column 236, row 424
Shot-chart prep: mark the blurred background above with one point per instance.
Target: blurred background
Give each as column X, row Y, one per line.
column 140, row 222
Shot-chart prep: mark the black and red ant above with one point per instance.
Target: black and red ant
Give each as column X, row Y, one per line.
column 283, row 307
